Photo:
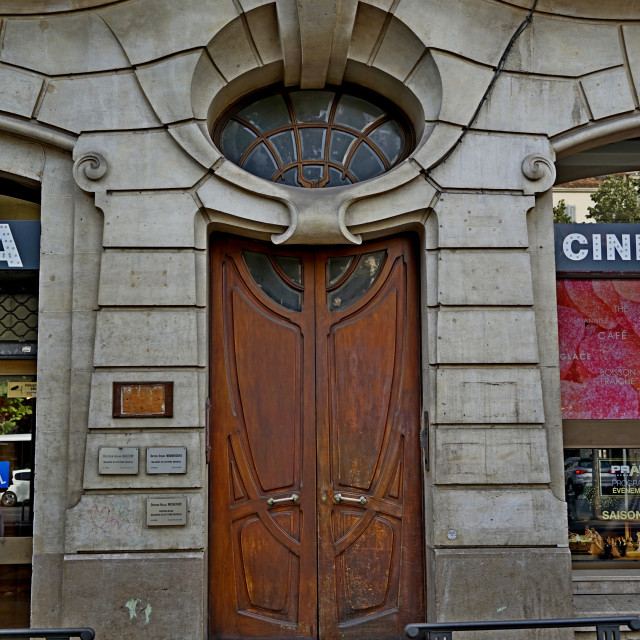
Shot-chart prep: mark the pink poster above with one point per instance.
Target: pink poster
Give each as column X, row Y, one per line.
column 599, row 334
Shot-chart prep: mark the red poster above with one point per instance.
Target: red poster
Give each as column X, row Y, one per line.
column 599, row 333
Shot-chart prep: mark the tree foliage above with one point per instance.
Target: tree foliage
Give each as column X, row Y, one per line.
column 559, row 212
column 12, row 411
column 616, row 200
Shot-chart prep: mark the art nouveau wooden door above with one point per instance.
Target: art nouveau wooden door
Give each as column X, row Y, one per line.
column 315, row 497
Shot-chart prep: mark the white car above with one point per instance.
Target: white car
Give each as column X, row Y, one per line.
column 19, row 489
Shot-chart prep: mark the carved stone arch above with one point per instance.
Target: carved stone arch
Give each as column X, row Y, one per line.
column 298, row 44
column 600, row 148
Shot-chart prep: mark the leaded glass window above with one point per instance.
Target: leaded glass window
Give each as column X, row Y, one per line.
column 314, row 138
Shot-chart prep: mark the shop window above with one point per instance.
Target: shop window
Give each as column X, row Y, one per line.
column 603, row 502
column 314, row 138
column 19, row 263
column 598, row 294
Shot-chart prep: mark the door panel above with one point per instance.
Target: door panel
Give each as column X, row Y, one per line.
column 368, row 409
column 316, row 517
column 262, row 563
column 268, row 405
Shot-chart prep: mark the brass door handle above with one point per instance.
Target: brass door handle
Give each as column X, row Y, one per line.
column 338, row 497
column 294, row 497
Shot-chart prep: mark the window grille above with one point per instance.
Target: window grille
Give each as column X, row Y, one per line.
column 314, row 138
column 18, row 317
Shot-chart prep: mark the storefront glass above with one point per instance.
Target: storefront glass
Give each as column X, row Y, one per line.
column 603, row 500
column 17, row 422
column 598, row 292
column 19, row 263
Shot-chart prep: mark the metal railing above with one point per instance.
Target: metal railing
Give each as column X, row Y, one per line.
column 49, row 634
column 606, row 628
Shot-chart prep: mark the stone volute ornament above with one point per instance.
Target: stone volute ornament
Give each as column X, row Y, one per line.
column 90, row 166
column 540, row 170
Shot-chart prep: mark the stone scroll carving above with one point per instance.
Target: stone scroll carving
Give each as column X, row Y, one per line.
column 540, row 170
column 91, row 166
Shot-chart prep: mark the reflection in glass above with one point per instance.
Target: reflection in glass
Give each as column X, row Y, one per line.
column 602, row 488
column 339, row 145
column 388, row 138
column 291, row 267
column 285, row 146
column 266, row 277
column 17, row 420
column 356, row 113
column 336, row 179
column 312, row 106
column 337, row 267
column 312, row 143
column 260, row 162
column 322, row 127
column 267, row 114
column 359, row 282
column 313, row 172
column 235, row 139
column 365, row 163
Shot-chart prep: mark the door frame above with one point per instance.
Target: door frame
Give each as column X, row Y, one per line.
column 418, row 239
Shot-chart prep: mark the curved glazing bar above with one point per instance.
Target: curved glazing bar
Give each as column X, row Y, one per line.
column 314, row 138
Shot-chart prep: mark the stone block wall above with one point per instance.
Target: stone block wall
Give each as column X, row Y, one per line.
column 110, row 107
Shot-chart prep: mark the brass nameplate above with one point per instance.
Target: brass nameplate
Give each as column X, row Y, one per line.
column 142, row 399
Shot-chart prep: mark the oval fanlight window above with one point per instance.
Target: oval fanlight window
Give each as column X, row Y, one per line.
column 314, row 138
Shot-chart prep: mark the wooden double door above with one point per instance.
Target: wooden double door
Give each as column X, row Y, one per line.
column 316, row 496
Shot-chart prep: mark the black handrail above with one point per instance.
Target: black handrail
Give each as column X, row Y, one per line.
column 49, row 634
column 606, row 628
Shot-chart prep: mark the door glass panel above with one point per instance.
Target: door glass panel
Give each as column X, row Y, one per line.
column 337, row 267
column 292, row 268
column 266, row 277
column 360, row 281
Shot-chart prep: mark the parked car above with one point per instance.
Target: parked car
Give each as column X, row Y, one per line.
column 19, row 490
column 578, row 474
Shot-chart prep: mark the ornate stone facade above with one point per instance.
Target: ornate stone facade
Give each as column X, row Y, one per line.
column 109, row 107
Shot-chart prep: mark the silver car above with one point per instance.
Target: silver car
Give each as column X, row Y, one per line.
column 19, row 490
column 578, row 474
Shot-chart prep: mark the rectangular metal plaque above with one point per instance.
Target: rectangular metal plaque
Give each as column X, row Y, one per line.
column 21, row 389
column 118, row 461
column 166, row 460
column 166, row 512
column 142, row 399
